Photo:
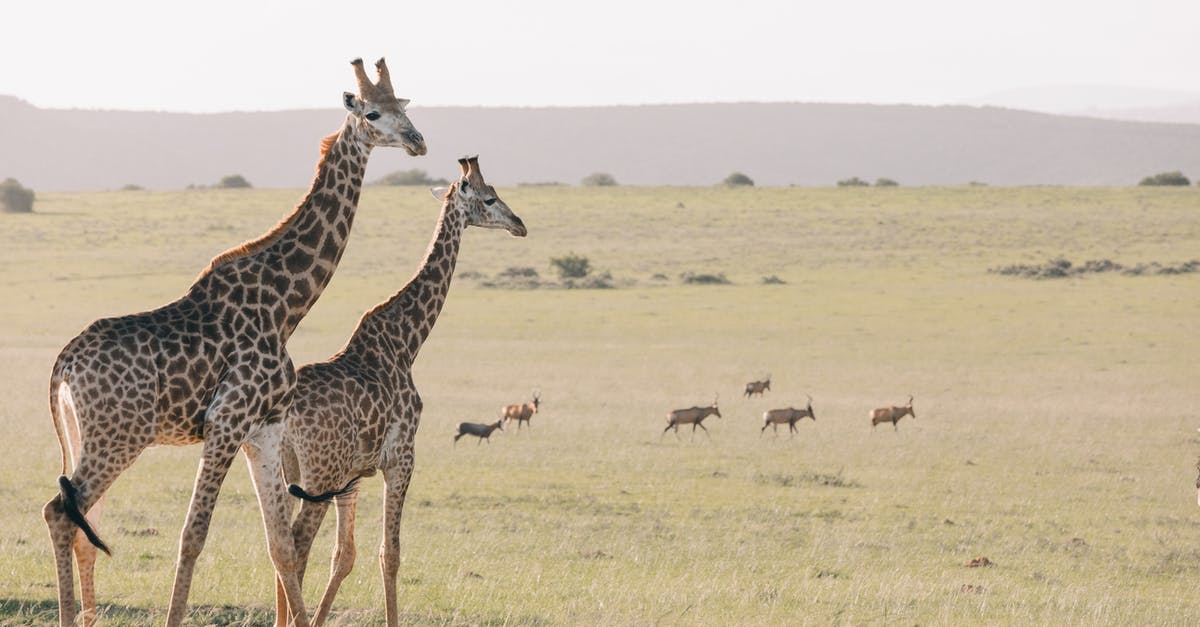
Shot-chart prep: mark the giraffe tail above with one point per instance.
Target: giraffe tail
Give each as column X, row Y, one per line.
column 70, row 499
column 299, row 492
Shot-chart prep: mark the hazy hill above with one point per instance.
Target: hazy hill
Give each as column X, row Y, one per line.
column 695, row 144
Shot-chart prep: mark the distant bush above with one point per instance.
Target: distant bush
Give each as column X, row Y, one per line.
column 14, row 198
column 539, row 184
column 1166, row 179
column 853, row 182
column 773, row 280
column 409, row 177
column 571, row 266
column 130, row 187
column 598, row 179
column 977, row 184
column 704, row 279
column 1060, row 267
column 882, row 182
column 597, row 282
column 233, row 181
column 738, row 179
column 519, row 272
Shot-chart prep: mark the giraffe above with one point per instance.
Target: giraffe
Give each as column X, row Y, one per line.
column 211, row 367
column 356, row 413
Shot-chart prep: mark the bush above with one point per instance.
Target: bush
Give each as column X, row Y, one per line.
column 882, row 182
column 571, row 266
column 773, row 280
column 130, row 187
column 409, row 177
column 14, row 198
column 853, row 182
column 598, row 179
column 233, row 181
column 1166, row 178
column 738, row 179
column 522, row 272
column 704, row 279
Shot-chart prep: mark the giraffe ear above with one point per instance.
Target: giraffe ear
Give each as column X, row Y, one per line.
column 351, row 102
column 440, row 192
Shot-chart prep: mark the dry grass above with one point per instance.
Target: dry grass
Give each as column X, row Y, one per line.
column 1053, row 435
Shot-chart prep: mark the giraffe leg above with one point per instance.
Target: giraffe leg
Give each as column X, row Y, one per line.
column 90, row 479
column 264, row 458
column 304, row 531
column 389, row 551
column 343, row 554
column 85, row 559
column 219, row 452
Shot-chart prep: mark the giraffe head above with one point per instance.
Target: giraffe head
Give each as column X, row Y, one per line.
column 379, row 116
column 480, row 201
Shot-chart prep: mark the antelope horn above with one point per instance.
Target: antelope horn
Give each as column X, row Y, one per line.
column 910, row 399
column 385, row 78
column 809, row 398
column 365, row 88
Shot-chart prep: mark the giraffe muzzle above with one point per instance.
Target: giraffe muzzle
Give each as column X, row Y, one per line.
column 414, row 143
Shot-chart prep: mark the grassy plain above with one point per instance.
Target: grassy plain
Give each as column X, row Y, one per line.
column 1055, row 431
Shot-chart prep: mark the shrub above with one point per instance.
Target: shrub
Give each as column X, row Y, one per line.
column 853, row 182
column 14, row 198
column 773, row 280
column 598, row 179
column 519, row 272
column 704, row 279
column 409, row 177
column 1166, row 178
column 571, row 266
column 738, row 179
column 883, row 182
column 233, row 181
column 130, row 187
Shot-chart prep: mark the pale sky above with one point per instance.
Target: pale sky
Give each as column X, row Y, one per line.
column 221, row 55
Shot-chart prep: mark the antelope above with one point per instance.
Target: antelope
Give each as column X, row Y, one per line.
column 693, row 416
column 892, row 414
column 775, row 417
column 483, row 432
column 758, row 387
column 523, row 412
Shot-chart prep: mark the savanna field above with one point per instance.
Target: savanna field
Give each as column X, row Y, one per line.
column 1055, row 431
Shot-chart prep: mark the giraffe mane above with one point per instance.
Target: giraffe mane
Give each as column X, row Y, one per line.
column 258, row 244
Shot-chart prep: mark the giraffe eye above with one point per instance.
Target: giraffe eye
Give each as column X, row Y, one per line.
column 489, row 202
column 372, row 116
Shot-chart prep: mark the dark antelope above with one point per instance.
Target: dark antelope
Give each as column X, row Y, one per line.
column 775, row 417
column 523, row 412
column 483, row 432
column 693, row 416
column 758, row 387
column 892, row 414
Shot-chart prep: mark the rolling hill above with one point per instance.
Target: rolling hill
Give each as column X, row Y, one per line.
column 684, row 144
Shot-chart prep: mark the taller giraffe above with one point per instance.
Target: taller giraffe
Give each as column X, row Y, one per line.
column 212, row 367
column 357, row 413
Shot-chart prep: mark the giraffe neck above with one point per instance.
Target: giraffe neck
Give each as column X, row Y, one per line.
column 396, row 328
column 289, row 267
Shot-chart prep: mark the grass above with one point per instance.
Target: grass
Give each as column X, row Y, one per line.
column 1055, row 431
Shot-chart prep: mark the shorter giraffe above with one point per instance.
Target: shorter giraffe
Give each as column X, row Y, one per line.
column 357, row 413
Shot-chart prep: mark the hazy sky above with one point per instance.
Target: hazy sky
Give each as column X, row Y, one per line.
column 221, row 55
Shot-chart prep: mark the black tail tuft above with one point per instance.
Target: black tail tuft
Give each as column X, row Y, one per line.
column 299, row 492
column 70, row 498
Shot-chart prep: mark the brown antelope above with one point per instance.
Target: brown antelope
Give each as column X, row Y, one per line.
column 758, row 387
column 892, row 414
column 483, row 432
column 775, row 417
column 693, row 416
column 523, row 412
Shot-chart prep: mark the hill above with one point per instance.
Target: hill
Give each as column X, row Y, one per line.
column 686, row 144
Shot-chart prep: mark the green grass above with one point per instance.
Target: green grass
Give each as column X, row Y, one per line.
column 1055, row 430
